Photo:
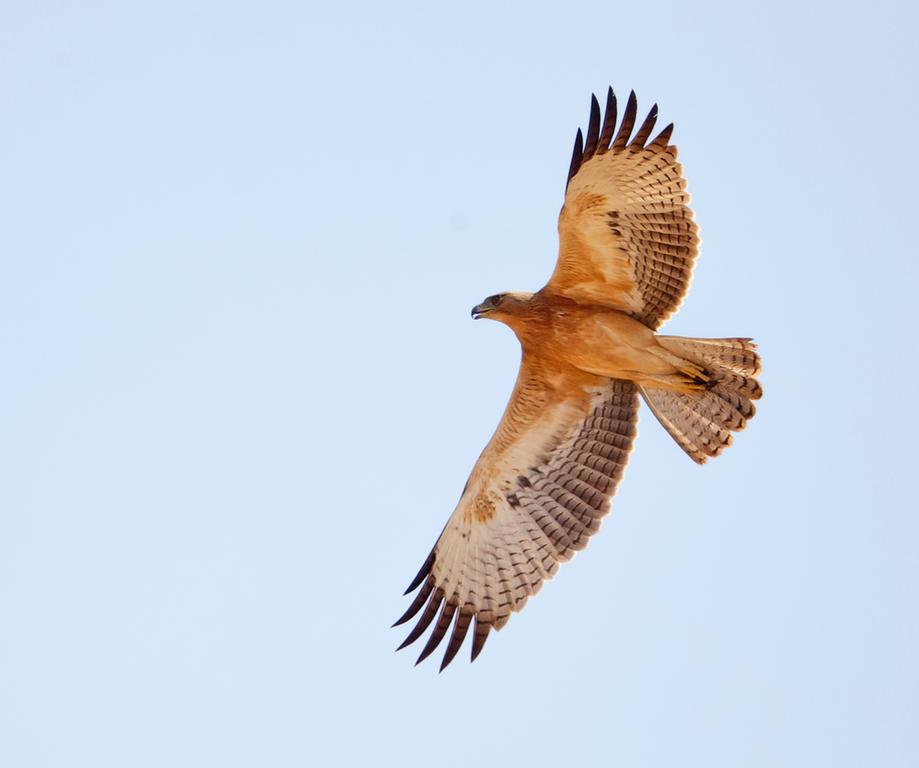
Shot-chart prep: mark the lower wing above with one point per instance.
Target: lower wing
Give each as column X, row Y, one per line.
column 536, row 495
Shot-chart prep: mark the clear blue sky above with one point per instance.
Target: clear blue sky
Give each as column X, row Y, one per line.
column 241, row 391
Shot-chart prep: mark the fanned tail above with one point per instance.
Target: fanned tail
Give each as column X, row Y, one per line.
column 702, row 421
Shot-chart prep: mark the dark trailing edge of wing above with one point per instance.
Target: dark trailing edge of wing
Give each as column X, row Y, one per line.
column 600, row 139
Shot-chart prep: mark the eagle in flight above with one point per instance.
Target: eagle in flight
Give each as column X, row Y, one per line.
column 627, row 244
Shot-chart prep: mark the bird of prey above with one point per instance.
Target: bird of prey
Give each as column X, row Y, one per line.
column 627, row 244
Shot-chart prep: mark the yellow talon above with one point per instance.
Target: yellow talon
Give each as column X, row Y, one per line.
column 695, row 373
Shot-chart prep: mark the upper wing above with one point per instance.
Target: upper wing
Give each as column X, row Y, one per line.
column 535, row 496
column 626, row 235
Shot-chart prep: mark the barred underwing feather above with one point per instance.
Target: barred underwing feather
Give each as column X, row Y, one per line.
column 627, row 238
column 548, row 502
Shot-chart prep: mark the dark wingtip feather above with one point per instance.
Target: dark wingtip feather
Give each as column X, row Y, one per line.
column 609, row 122
column 456, row 639
column 440, row 629
column 593, row 128
column 419, row 577
column 576, row 155
column 628, row 122
column 479, row 637
column 426, row 618
column 416, row 603
column 663, row 137
column 645, row 130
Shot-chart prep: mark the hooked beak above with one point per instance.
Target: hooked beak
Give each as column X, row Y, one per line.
column 480, row 310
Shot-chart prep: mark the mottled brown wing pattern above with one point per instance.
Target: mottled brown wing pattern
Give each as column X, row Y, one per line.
column 627, row 236
column 482, row 570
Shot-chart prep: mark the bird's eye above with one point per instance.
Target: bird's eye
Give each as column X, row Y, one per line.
column 495, row 300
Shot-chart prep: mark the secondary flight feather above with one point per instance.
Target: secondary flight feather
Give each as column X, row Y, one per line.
column 627, row 245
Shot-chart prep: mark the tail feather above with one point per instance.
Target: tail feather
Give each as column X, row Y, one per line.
column 702, row 421
column 727, row 381
column 738, row 355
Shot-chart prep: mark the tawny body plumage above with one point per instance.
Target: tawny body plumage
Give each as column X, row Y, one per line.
column 590, row 348
column 591, row 338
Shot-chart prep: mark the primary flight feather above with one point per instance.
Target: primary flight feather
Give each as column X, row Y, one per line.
column 627, row 244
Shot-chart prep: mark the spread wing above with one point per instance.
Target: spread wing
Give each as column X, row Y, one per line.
column 535, row 496
column 626, row 236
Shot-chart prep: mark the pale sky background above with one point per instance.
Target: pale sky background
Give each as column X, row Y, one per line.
column 241, row 391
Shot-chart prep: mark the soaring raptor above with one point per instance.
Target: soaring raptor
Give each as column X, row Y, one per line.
column 627, row 244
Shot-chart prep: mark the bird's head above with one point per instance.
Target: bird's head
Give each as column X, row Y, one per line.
column 503, row 306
